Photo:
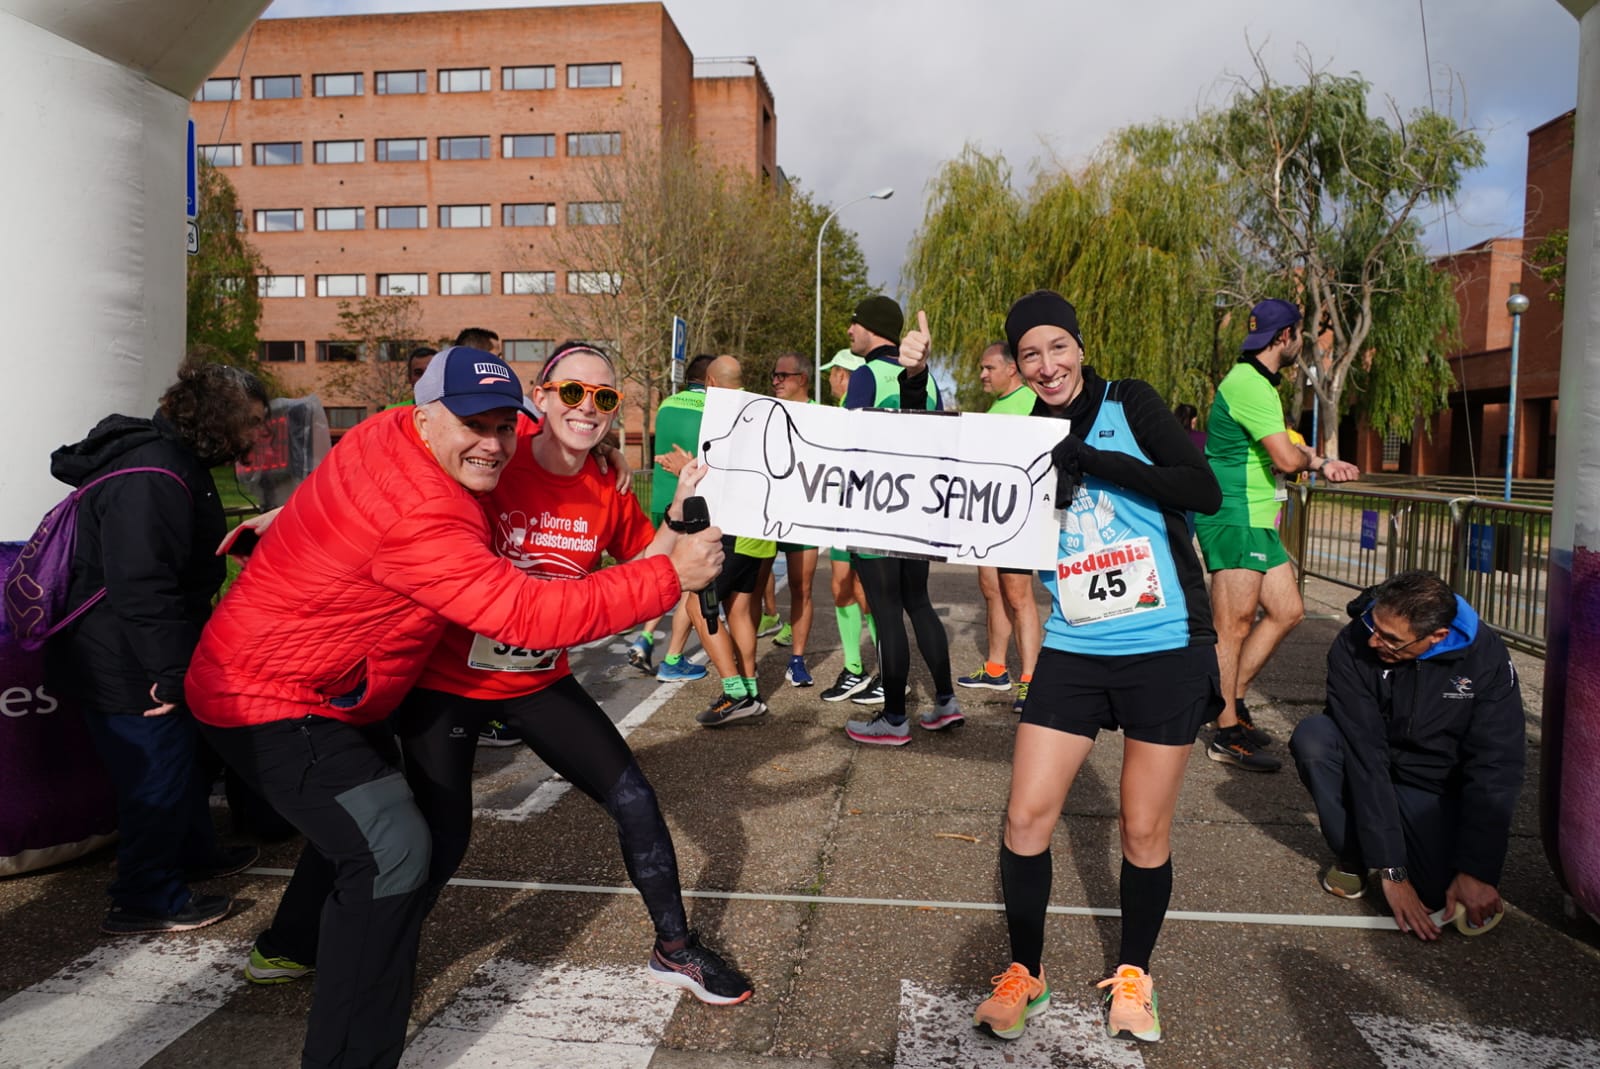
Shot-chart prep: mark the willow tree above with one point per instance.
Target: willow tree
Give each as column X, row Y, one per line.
column 966, row 264
column 1128, row 238
column 1326, row 202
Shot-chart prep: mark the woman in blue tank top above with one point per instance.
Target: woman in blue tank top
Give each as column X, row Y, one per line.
column 1128, row 647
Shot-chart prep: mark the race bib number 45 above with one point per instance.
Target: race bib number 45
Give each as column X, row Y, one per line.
column 492, row 656
column 1111, row 581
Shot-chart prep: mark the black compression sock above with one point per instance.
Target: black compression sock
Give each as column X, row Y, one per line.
column 1145, row 894
column 1025, row 883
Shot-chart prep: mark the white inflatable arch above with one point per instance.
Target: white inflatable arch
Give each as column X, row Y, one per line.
column 92, row 273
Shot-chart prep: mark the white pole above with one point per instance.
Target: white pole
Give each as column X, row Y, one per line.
column 882, row 194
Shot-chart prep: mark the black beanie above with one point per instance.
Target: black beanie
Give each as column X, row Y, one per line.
column 1038, row 309
column 882, row 316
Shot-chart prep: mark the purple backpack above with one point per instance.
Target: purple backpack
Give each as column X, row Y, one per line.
column 37, row 583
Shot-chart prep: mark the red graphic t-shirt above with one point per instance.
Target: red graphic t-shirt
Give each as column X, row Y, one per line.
column 556, row 527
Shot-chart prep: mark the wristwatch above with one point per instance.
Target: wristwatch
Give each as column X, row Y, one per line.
column 1396, row 874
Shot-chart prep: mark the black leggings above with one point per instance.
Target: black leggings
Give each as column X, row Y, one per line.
column 438, row 736
column 894, row 586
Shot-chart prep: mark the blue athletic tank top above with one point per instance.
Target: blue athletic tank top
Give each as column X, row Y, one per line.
column 1115, row 566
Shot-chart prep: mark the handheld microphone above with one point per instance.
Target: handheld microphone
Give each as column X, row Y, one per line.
column 696, row 518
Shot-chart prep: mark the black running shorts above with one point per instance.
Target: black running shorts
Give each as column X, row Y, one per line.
column 1161, row 698
column 738, row 573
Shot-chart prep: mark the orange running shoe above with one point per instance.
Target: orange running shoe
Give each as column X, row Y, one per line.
column 1131, row 1004
column 1017, row 996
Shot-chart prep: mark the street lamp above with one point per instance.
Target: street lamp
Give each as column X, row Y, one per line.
column 883, row 194
column 1516, row 304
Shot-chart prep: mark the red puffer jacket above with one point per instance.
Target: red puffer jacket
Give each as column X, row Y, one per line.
column 354, row 582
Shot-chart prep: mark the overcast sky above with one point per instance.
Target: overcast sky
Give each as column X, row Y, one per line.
column 872, row 93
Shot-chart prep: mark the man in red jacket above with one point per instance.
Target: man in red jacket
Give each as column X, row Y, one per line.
column 331, row 623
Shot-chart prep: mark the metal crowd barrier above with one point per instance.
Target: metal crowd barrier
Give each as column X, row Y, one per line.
column 1493, row 553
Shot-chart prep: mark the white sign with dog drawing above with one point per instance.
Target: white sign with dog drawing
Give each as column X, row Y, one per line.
column 968, row 488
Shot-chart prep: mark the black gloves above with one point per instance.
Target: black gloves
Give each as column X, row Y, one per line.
column 1071, row 458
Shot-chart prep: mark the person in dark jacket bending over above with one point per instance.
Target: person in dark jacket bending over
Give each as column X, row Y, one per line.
column 1415, row 765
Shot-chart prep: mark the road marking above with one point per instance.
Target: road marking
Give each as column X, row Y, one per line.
column 1291, row 920
column 546, row 1017
column 1402, row 1044
column 119, row 1005
column 936, row 1033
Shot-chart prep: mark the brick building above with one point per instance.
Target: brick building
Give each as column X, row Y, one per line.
column 436, row 154
column 1471, row 434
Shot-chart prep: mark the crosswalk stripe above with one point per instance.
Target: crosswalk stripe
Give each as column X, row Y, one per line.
column 119, row 1005
column 936, row 1033
column 1402, row 1044
column 551, row 1016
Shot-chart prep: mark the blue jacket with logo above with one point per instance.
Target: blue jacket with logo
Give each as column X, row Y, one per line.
column 1448, row 722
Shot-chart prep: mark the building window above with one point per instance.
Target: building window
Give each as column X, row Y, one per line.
column 341, row 218
column 527, row 77
column 336, row 85
column 280, row 220
column 527, row 146
column 527, row 215
column 526, row 349
column 341, row 285
column 343, row 417
column 393, row 351
column 276, row 87
column 409, row 217
column 222, row 155
column 218, row 89
column 281, row 285
column 403, row 285
column 593, row 75
column 282, row 352
column 276, row 153
column 402, row 149
column 463, row 148
column 338, row 352
column 339, row 151
column 464, row 216
column 605, row 144
column 594, row 212
column 526, row 282
column 463, row 283
column 593, row 282
column 399, row 83
column 468, row 80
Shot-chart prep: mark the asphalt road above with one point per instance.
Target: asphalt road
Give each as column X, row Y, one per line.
column 858, row 887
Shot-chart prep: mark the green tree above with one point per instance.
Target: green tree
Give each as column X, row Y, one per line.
column 1326, row 196
column 224, row 307
column 1549, row 259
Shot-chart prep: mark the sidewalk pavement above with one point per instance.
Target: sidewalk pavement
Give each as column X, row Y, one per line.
column 858, row 888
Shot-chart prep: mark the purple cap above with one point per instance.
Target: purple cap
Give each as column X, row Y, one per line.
column 1266, row 319
column 469, row 382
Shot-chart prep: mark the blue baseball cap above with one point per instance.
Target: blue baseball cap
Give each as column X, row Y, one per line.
column 470, row 381
column 1266, row 319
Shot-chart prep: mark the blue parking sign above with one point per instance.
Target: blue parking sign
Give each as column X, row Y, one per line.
column 194, row 197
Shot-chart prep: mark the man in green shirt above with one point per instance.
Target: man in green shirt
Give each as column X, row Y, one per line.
column 1250, row 451
column 1007, row 592
column 677, row 425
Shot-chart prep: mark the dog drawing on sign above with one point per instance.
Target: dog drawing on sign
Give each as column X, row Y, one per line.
column 948, row 504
